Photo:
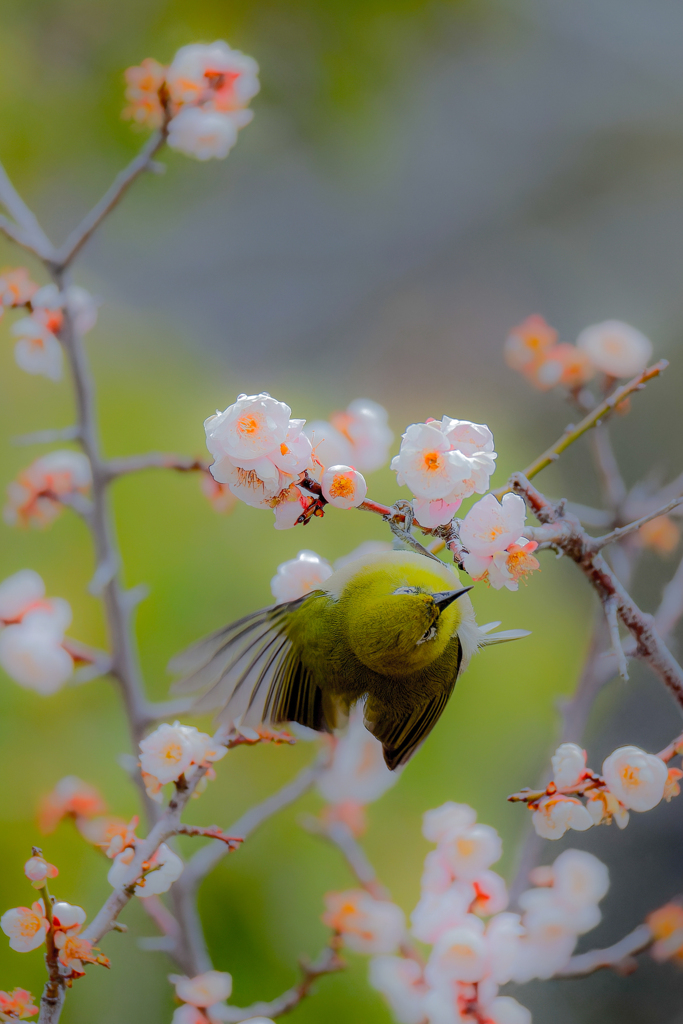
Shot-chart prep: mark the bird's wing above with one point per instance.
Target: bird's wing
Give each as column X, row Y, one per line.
column 487, row 638
column 251, row 671
column 400, row 737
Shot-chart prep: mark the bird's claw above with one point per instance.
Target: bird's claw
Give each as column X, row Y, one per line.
column 400, row 519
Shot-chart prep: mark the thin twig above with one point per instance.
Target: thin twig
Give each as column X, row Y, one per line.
column 613, row 486
column 611, row 608
column 619, row 956
column 47, row 436
column 624, row 531
column 153, row 460
column 26, row 230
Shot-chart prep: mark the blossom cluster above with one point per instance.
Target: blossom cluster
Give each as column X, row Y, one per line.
column 264, row 457
column 37, row 348
column 476, row 944
column 631, row 780
column 172, row 751
column 443, row 462
column 201, row 97
column 491, row 532
column 203, row 998
column 41, row 491
column 17, row 1005
column 612, row 348
column 32, row 630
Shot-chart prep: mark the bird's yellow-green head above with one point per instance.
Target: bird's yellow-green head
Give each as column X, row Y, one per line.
column 400, row 612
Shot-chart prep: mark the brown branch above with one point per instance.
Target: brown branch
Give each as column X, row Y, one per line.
column 619, row 956
column 153, row 460
column 211, row 832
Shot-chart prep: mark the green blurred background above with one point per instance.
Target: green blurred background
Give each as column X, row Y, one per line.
column 418, row 178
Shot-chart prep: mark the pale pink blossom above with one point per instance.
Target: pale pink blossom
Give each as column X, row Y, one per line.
column 160, row 872
column 364, row 427
column 357, row 771
column 569, row 765
column 343, row 486
column 556, row 814
column 490, row 525
column 36, row 496
column 490, row 894
column 31, row 652
column 143, row 84
column 71, row 797
column 203, row 133
column 529, row 342
column 331, row 447
column 503, row 935
column 471, row 851
column 635, row 778
column 400, row 982
column 579, row 878
column 67, row 921
column 16, row 287
column 37, row 349
column 367, row 925
column 450, row 817
column 506, row 1010
column 204, row 989
column 435, row 513
column 219, row 495
column 17, row 1004
column 604, row 808
column 25, row 927
column 437, row 875
column 549, row 941
column 19, row 593
column 299, row 576
column 37, row 870
column 439, row 912
column 188, row 1014
column 172, row 750
column 615, row 348
column 291, row 504
column 460, row 955
column 212, row 74
column 49, row 302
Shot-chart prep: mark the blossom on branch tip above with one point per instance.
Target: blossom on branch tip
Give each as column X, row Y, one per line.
column 37, row 349
column 174, row 750
column 366, row 925
column 37, row 870
column 491, row 533
column 569, row 764
column 204, row 989
column 26, row 927
column 16, row 287
column 666, row 924
column 343, row 486
column 38, row 494
column 617, row 349
column 212, row 74
column 635, row 778
column 299, row 576
column 555, row 814
column 528, row 343
column 71, row 797
column 157, row 875
column 17, row 1005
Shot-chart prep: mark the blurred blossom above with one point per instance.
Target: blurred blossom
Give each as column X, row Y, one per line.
column 220, row 495
column 450, row 817
column 401, row 983
column 35, row 497
column 442, row 463
column 203, row 134
column 666, row 925
column 506, row 1010
column 343, row 486
column 358, row 771
column 25, row 927
column 37, row 349
column 164, row 868
column 19, row 593
column 213, row 74
column 31, row 652
column 556, row 814
column 490, row 894
column 661, row 535
column 529, row 342
column 16, row 287
column 366, row 925
column 204, row 989
column 299, row 576
column 71, row 797
column 635, row 778
column 143, row 84
column 617, row 349
column 470, row 850
column 17, row 1005
column 569, row 764
column 459, row 955
column 579, row 878
column 437, row 913
column 359, row 436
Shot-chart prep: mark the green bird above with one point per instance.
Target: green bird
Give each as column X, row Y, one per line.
column 394, row 630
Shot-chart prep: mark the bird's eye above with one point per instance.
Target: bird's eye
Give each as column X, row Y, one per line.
column 406, row 590
column 429, row 635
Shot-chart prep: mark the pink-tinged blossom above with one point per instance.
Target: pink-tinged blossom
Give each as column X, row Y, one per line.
column 212, row 74
column 219, row 495
column 506, row 1010
column 528, row 343
column 188, row 1014
column 204, row 134
column 503, row 935
column 450, row 817
column 437, row 875
column 37, row 870
column 37, row 350
column 471, row 851
column 19, row 593
column 363, row 430
column 491, row 532
column 143, row 84
column 579, row 878
column 490, row 894
column 438, row 913
column 17, row 1005
column 35, row 497
column 366, row 925
column 635, row 778
column 291, row 504
column 204, row 989
column 174, row 750
column 617, row 349
column 71, row 797
column 160, row 872
column 25, row 927
column 604, row 808
column 299, row 576
column 400, row 982
column 16, row 287
column 460, row 955
column 357, row 771
column 569, row 765
column 49, row 302
column 67, row 921
column 343, row 486
column 556, row 814
column 31, row 652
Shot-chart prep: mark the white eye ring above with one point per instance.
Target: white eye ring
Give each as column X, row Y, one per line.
column 406, row 590
column 429, row 635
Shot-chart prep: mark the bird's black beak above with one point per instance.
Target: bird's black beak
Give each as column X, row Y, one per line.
column 443, row 598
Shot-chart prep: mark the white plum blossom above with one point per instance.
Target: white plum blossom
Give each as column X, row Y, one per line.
column 67, row 918
column 164, row 868
column 31, row 651
column 579, row 878
column 174, row 750
column 20, row 592
column 439, row 912
column 343, row 486
column 615, row 348
column 357, row 772
column 37, row 870
column 440, row 463
column 81, row 305
column 503, row 934
column 37, row 350
column 366, row 925
column 203, row 134
column 299, row 576
column 492, row 534
column 331, row 447
column 35, row 497
column 25, row 927
column 569, row 764
column 460, row 955
column 204, row 989
column 400, row 982
column 556, row 814
column 450, row 817
column 471, row 850
column 359, row 436
column 212, row 73
column 491, row 896
column 635, row 778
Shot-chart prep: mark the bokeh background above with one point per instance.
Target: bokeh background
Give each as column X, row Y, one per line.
column 419, row 177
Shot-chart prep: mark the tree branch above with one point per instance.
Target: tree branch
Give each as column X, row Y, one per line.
column 619, row 956
column 624, row 531
column 153, row 460
column 25, row 231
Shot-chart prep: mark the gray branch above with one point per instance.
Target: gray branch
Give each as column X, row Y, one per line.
column 619, row 956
